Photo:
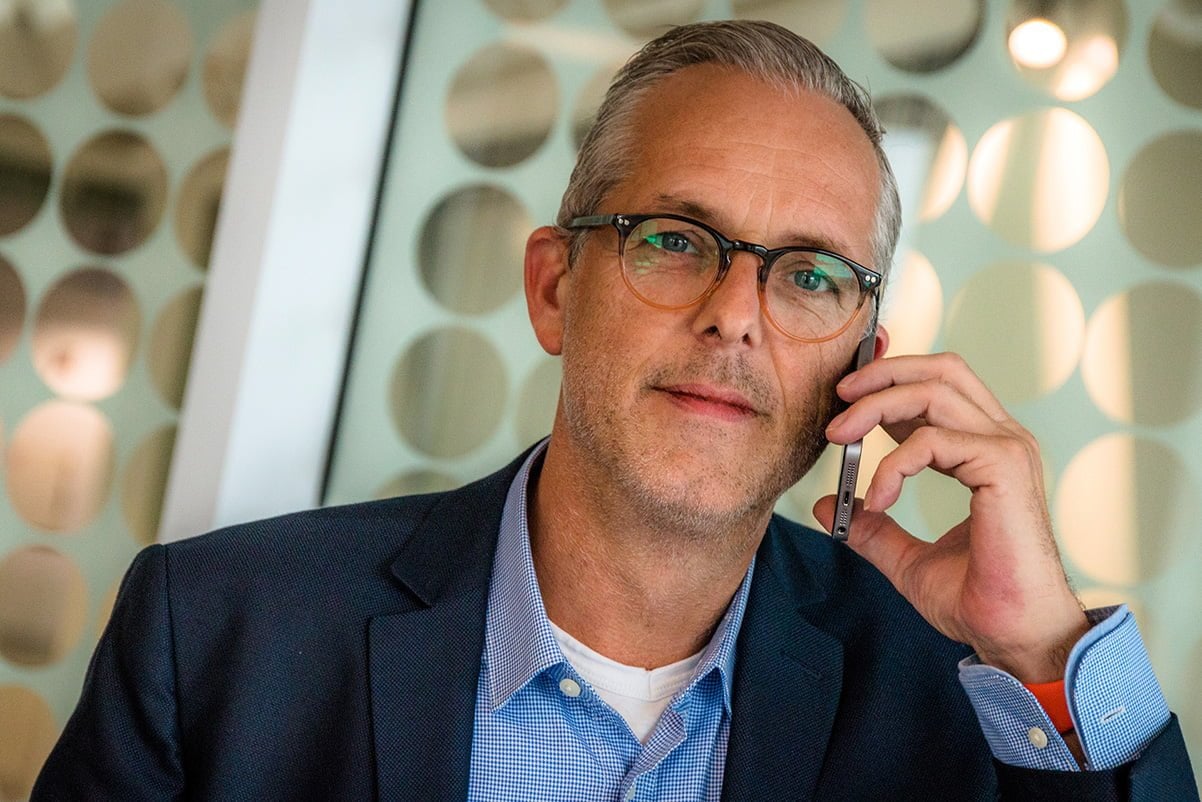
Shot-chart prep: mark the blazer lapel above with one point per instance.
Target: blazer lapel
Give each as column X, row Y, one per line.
column 788, row 677
column 424, row 666
column 424, row 663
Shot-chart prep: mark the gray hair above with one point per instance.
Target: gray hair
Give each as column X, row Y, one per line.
column 763, row 49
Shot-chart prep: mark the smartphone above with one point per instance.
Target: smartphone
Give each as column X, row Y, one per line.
column 846, row 494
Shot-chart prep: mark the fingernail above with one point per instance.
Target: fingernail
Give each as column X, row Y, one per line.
column 836, row 422
column 869, row 501
column 847, row 381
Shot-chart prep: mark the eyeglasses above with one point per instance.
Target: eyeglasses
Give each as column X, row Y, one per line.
column 673, row 262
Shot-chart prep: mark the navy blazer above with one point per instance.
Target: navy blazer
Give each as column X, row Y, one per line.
column 334, row 655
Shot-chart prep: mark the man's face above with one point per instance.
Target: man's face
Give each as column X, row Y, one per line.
column 706, row 415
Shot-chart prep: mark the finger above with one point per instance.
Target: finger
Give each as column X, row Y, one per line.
column 979, row 462
column 948, row 368
column 824, row 513
column 897, row 408
column 877, row 538
column 900, row 432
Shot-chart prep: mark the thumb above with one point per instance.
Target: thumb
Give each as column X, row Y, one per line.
column 877, row 538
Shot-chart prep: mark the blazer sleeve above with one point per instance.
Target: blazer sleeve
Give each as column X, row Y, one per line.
column 122, row 741
column 1161, row 772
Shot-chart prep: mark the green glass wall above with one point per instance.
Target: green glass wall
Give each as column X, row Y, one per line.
column 116, row 118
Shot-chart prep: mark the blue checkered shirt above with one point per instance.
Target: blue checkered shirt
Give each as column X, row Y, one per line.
column 537, row 739
column 534, row 741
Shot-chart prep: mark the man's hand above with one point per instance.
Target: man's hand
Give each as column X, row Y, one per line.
column 993, row 581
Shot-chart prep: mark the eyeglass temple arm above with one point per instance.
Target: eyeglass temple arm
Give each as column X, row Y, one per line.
column 592, row 221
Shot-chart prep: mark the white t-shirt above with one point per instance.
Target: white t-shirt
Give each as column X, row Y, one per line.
column 638, row 695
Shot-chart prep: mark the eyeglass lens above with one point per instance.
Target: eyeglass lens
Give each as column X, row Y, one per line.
column 673, row 263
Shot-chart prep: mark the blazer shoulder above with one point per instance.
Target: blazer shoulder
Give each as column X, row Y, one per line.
column 388, row 522
column 354, row 542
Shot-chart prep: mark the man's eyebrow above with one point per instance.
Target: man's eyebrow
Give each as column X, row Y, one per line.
column 678, row 205
column 674, row 204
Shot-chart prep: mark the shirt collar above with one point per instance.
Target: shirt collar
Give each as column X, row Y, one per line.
column 518, row 641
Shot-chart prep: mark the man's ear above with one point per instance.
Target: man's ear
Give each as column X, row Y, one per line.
column 882, row 342
column 546, row 286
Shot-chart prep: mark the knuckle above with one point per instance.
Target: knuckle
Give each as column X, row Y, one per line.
column 1018, row 449
column 926, row 436
column 1024, row 436
column 950, row 362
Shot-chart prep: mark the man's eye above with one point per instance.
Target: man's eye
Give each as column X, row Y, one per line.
column 670, row 241
column 813, row 280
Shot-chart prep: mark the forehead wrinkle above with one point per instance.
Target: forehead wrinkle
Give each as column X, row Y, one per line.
column 828, row 150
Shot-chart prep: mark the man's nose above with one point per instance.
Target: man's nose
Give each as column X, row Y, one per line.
column 731, row 312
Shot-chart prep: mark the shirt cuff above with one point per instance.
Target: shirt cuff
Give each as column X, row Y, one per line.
column 1115, row 701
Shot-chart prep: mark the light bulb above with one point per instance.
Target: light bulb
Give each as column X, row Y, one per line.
column 1038, row 43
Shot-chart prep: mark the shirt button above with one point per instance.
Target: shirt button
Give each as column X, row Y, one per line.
column 630, row 792
column 569, row 687
column 1037, row 737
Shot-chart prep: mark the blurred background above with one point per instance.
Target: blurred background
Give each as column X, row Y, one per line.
column 259, row 256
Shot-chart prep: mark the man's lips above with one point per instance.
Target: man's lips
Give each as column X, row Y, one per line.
column 708, row 399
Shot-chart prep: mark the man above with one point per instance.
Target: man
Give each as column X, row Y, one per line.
column 618, row 615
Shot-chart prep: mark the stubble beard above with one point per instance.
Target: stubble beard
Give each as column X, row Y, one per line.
column 636, row 467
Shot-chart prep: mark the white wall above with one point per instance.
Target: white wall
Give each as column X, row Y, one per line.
column 286, row 264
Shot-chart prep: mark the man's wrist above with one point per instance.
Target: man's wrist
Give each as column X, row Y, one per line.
column 1045, row 660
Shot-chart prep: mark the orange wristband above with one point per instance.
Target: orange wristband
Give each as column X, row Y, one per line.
column 1052, row 699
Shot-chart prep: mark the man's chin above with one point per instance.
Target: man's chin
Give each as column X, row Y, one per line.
column 703, row 506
